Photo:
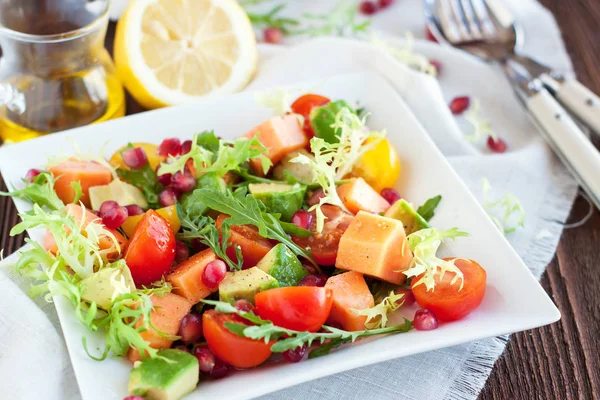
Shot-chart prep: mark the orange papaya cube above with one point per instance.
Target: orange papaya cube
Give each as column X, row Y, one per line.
column 350, row 292
column 166, row 317
column 87, row 173
column 186, row 278
column 280, row 135
column 376, row 246
column 253, row 246
column 357, row 195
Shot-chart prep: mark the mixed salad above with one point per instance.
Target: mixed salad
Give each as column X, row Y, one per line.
column 199, row 257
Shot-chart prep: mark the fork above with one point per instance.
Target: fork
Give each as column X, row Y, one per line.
column 486, row 29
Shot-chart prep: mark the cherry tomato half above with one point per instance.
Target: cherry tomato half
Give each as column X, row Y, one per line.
column 301, row 308
column 239, row 352
column 324, row 245
column 446, row 301
column 303, row 106
column 253, row 246
column 151, row 250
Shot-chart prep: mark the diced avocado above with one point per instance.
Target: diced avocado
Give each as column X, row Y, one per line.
column 119, row 191
column 403, row 212
column 245, row 284
column 321, row 119
column 279, row 198
column 168, row 377
column 107, row 284
column 302, row 172
column 283, row 265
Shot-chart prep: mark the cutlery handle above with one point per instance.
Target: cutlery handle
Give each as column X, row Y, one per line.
column 569, row 142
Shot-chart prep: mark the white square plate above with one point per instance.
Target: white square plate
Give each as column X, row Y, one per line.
column 514, row 300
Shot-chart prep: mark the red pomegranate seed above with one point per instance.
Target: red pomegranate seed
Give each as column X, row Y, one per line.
column 409, row 297
column 437, row 65
column 206, row 358
column 183, row 182
column 391, row 195
column 313, row 280
column 134, row 209
column 182, row 348
column 114, row 217
column 368, row 7
column 273, row 35
column 243, row 305
column 164, row 179
column 220, row 370
column 170, row 146
column 168, row 197
column 425, row 320
column 316, row 197
column 133, row 398
column 302, row 219
column 186, row 147
column 182, row 252
column 214, row 273
column 198, row 246
column 295, row 355
column 496, row 145
column 458, row 105
column 190, row 329
column 106, row 207
column 429, row 36
column 32, row 173
column 385, row 3
column 135, row 158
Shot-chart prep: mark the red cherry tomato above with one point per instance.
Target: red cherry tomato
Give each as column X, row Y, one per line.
column 301, row 308
column 151, row 250
column 303, row 106
column 446, row 301
column 239, row 352
column 253, row 246
column 324, row 245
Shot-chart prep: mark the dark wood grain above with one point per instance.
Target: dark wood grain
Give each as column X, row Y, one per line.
column 560, row 361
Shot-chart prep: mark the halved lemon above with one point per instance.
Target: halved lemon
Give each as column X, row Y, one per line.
column 175, row 51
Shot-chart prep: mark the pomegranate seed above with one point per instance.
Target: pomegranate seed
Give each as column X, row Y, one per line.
column 135, row 158
column 114, row 217
column 458, row 105
column 169, row 147
column 385, row 3
column 164, row 179
column 182, row 252
column 220, row 370
column 302, row 219
column 437, row 65
column 214, row 273
column 182, row 348
column 134, row 209
column 190, row 329
column 198, row 246
column 295, row 355
column 316, row 197
column 391, row 195
column 497, row 146
column 243, row 305
column 368, row 7
column 186, row 147
column 409, row 297
column 183, row 182
column 313, row 280
column 133, row 398
column 106, row 207
column 429, row 36
column 168, row 197
column 32, row 173
column 425, row 320
column 273, row 35
column 206, row 358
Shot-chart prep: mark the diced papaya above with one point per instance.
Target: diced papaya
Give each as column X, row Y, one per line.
column 166, row 317
column 253, row 246
column 169, row 213
column 105, row 242
column 186, row 278
column 87, row 173
column 357, row 195
column 280, row 135
column 376, row 246
column 350, row 292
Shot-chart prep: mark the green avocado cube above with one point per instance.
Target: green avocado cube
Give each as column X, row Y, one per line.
column 245, row 284
column 168, row 377
column 321, row 119
column 303, row 173
column 279, row 198
column 403, row 212
column 283, row 265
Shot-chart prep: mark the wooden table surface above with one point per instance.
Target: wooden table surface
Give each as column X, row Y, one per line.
column 560, row 361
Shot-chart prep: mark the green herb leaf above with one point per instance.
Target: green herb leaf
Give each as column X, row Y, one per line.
column 507, row 213
column 208, row 140
column 326, row 348
column 377, row 316
column 238, row 329
column 427, row 210
column 145, row 179
column 272, row 19
column 39, row 191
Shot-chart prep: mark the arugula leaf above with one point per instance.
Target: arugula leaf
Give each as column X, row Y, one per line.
column 428, row 208
column 325, row 348
column 208, row 140
column 145, row 179
column 189, row 201
column 272, row 19
column 40, row 191
column 246, row 210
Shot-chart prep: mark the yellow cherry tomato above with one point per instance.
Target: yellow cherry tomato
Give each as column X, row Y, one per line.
column 151, row 150
column 168, row 213
column 379, row 166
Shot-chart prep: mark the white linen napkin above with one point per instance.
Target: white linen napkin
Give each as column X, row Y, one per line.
column 33, row 357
